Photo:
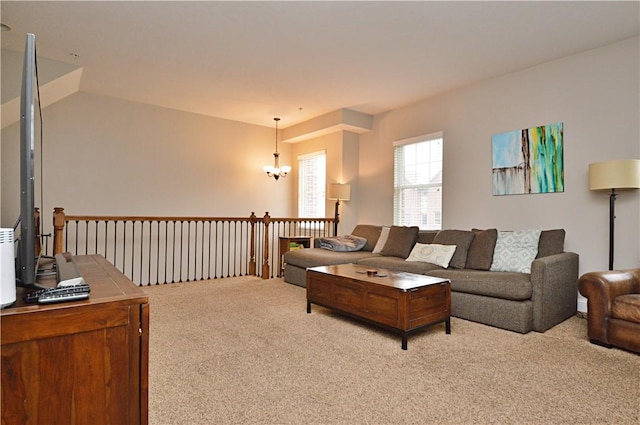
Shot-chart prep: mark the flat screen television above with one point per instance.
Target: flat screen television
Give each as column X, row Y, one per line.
column 27, row 259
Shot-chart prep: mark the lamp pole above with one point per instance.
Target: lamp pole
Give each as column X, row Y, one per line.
column 338, row 191
column 612, row 217
column 336, row 218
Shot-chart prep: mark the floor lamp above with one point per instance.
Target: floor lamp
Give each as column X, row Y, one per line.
column 339, row 192
column 614, row 175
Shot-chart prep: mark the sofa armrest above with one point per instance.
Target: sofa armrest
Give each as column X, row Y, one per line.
column 600, row 288
column 554, row 281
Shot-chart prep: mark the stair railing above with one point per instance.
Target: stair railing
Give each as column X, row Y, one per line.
column 154, row 250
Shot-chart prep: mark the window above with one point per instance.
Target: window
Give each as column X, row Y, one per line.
column 417, row 195
column 312, row 185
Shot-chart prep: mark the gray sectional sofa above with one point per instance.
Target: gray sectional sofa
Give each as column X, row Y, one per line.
column 536, row 299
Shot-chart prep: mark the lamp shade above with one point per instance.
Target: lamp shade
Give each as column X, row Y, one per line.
column 339, row 191
column 617, row 174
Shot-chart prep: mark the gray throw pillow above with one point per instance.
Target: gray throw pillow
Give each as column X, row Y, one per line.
column 400, row 241
column 551, row 243
column 461, row 239
column 370, row 232
column 480, row 253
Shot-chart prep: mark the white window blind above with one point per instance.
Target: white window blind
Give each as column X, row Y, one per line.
column 417, row 198
column 311, row 185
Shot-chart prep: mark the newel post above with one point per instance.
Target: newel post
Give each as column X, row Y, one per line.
column 59, row 219
column 252, row 250
column 265, row 260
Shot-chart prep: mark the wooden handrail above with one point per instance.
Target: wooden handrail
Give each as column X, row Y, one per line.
column 149, row 218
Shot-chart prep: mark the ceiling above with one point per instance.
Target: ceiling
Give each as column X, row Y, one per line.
column 252, row 61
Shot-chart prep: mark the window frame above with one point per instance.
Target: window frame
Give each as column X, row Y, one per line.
column 320, row 188
column 436, row 222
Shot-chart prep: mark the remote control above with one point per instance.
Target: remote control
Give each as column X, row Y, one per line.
column 56, row 295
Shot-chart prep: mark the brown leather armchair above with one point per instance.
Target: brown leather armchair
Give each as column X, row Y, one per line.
column 613, row 300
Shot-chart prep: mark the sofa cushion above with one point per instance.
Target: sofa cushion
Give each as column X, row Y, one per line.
column 480, row 253
column 626, row 307
column 505, row 285
column 439, row 255
column 461, row 239
column 384, row 235
column 368, row 231
column 515, row 250
column 313, row 257
column 426, row 236
column 400, row 241
column 398, row 264
column 551, row 242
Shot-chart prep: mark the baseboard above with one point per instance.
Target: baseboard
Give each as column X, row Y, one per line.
column 582, row 304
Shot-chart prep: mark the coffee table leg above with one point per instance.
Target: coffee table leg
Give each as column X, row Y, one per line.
column 448, row 326
column 404, row 341
column 308, row 307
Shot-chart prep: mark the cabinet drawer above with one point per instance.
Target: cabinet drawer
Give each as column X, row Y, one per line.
column 64, row 320
column 383, row 308
column 349, row 296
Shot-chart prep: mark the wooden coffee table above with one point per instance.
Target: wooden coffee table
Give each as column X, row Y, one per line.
column 398, row 301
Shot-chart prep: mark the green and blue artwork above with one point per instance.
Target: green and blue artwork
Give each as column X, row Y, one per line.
column 528, row 161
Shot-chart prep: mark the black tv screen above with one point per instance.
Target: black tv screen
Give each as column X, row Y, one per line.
column 26, row 264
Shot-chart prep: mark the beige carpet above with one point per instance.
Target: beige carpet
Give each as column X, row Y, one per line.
column 244, row 351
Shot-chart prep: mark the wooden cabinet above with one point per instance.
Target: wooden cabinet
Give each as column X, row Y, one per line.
column 81, row 362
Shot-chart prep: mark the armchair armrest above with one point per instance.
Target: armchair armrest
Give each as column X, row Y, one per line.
column 554, row 281
column 600, row 288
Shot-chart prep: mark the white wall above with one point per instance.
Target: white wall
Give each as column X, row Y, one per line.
column 595, row 94
column 107, row 156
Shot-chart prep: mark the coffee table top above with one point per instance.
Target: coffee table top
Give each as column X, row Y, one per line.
column 392, row 278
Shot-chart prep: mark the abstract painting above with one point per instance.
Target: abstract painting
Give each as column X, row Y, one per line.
column 528, row 161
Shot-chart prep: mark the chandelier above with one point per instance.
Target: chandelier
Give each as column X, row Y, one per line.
column 276, row 171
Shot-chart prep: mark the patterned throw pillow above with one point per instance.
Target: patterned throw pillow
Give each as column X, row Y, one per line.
column 515, row 251
column 439, row 255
